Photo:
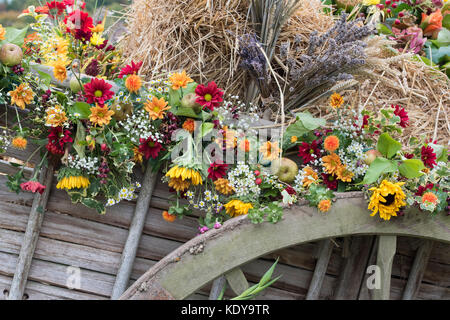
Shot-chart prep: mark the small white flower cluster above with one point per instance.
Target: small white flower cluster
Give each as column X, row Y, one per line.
column 242, row 179
column 298, row 182
column 124, row 194
column 5, row 139
column 354, row 151
column 88, row 164
column 348, row 126
column 248, row 115
column 138, row 125
column 210, row 202
column 159, row 86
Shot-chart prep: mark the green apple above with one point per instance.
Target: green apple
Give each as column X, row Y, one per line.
column 10, row 54
column 285, row 169
column 75, row 85
column 371, row 155
column 188, row 101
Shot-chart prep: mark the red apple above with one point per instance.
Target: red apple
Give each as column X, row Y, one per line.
column 371, row 155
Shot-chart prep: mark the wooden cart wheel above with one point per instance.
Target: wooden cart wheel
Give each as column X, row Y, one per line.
column 221, row 252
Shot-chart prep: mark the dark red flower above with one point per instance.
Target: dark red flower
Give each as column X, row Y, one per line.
column 307, row 150
column 93, row 68
column 57, row 7
column 149, row 148
column 428, row 156
column 400, row 112
column 97, row 91
column 79, row 23
column 365, row 120
column 132, row 68
column 33, row 186
column 209, row 96
column 57, row 139
column 330, row 181
column 409, row 155
column 217, row 170
column 420, row 191
column 290, row 190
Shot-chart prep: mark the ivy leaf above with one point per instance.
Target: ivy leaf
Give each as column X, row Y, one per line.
column 411, row 168
column 379, row 166
column 387, row 145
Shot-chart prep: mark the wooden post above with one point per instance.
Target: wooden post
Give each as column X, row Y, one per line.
column 417, row 270
column 386, row 250
column 237, row 281
column 31, row 236
column 217, row 287
column 326, row 248
column 134, row 234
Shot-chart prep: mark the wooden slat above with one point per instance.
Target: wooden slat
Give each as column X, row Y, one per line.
column 217, row 287
column 418, row 269
column 237, row 281
column 326, row 248
column 385, row 257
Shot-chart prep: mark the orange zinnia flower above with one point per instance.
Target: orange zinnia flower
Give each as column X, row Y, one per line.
column 22, row 95
column 133, row 83
column 429, row 197
column 19, row 143
column 156, row 108
column 331, row 163
column 310, row 176
column 180, row 80
column 189, row 125
column 331, row 143
column 100, row 115
column 168, row 217
column 324, row 205
column 336, row 100
column 432, row 24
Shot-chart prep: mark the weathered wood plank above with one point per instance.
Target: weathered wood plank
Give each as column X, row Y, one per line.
column 217, row 287
column 326, row 248
column 418, row 270
column 385, row 257
column 237, row 281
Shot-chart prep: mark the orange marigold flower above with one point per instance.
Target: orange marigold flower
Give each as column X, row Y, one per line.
column 189, row 125
column 223, row 186
column 310, row 176
column 270, row 150
column 331, row 143
column 336, row 100
column 180, row 80
column 244, row 145
column 133, row 83
column 168, row 217
column 344, row 174
column 294, row 139
column 324, row 205
column 2, row 32
column 156, row 108
column 59, row 70
column 100, row 116
column 331, row 163
column 432, row 24
column 22, row 95
column 19, row 142
column 429, row 197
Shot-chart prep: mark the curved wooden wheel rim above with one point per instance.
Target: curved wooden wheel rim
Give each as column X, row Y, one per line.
column 212, row 254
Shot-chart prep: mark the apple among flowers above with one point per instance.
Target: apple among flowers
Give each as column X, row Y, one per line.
column 285, row 169
column 10, row 54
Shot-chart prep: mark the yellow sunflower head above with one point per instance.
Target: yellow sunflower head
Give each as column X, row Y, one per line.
column 237, row 208
column 387, row 199
column 193, row 176
column 73, row 182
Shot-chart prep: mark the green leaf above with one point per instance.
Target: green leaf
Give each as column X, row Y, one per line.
column 14, row 36
column 377, row 168
column 266, row 277
column 94, row 204
column 411, row 168
column 44, row 77
column 387, row 145
column 305, row 123
column 174, row 98
column 383, row 29
column 446, row 22
column 206, row 128
column 444, row 35
column 82, row 108
column 185, row 112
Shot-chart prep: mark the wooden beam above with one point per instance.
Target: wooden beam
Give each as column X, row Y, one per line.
column 354, row 268
column 217, row 287
column 31, row 236
column 237, row 281
column 326, row 248
column 417, row 270
column 135, row 232
column 386, row 251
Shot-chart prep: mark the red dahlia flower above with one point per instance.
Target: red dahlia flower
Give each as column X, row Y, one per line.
column 409, row 155
column 290, row 190
column 400, row 112
column 79, row 24
column 97, row 91
column 428, row 156
column 149, row 148
column 33, row 186
column 330, row 181
column 209, row 96
column 217, row 170
column 57, row 140
column 306, row 150
column 422, row 189
column 55, row 5
column 132, row 68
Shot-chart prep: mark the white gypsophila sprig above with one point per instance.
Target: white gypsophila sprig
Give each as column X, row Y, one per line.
column 139, row 126
column 242, row 179
column 353, row 157
column 89, row 164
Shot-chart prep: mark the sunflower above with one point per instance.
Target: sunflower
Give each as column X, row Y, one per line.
column 344, row 174
column 223, row 186
column 2, row 32
column 310, row 176
column 180, row 80
column 270, row 150
column 387, row 199
column 156, row 108
column 179, row 184
column 56, row 116
column 336, row 100
column 19, row 142
column 324, row 205
column 185, row 174
column 73, row 182
column 22, row 95
column 237, row 207
column 59, row 69
column 133, row 83
column 331, row 143
column 331, row 163
column 100, row 115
